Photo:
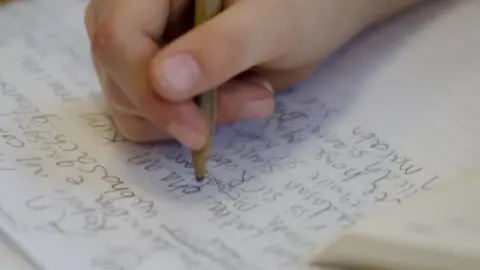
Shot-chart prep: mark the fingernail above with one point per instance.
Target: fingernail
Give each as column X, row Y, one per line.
column 268, row 86
column 178, row 73
column 186, row 135
column 258, row 109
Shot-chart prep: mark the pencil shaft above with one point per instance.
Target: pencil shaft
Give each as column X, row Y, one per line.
column 205, row 10
column 207, row 103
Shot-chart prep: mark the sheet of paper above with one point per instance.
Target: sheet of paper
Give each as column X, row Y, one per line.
column 438, row 229
column 12, row 258
column 385, row 119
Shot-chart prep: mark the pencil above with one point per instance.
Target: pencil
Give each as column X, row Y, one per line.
column 205, row 10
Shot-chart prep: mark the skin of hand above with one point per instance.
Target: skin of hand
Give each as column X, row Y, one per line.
column 151, row 63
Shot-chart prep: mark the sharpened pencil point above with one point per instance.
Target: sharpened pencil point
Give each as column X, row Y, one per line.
column 200, row 159
column 200, row 173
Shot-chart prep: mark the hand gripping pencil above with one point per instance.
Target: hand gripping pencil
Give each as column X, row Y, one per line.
column 205, row 10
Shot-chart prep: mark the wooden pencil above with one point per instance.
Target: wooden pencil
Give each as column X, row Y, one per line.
column 205, row 10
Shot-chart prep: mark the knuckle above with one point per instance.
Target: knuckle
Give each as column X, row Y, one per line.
column 104, row 38
column 137, row 129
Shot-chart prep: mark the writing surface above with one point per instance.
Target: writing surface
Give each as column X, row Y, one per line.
column 12, row 258
column 438, row 229
column 369, row 130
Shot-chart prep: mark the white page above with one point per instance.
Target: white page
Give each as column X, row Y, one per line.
column 277, row 187
column 12, row 258
column 438, row 229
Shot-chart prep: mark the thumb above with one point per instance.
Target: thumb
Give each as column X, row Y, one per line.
column 244, row 35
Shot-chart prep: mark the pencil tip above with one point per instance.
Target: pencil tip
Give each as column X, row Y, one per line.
column 200, row 174
column 199, row 164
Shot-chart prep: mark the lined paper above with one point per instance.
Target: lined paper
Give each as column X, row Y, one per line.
column 385, row 119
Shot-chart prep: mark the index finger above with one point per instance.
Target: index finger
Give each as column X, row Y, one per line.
column 124, row 44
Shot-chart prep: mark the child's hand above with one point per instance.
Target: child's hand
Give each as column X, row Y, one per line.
column 271, row 44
